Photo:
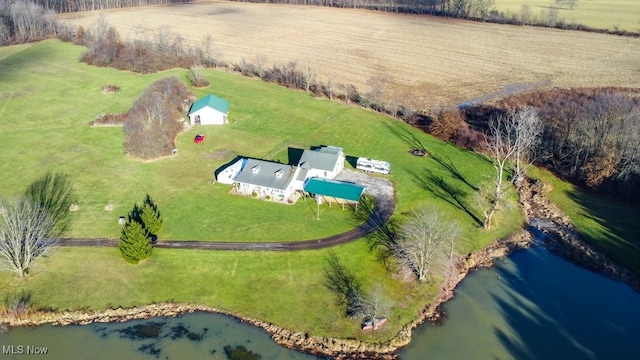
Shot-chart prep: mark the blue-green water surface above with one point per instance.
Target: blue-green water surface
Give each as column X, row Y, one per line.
column 534, row 305
column 192, row 336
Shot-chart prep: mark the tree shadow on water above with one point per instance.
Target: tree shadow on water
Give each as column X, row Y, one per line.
column 550, row 312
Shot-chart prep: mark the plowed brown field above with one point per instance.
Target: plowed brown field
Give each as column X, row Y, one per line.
column 426, row 61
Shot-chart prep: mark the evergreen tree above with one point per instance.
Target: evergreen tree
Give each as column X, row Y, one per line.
column 135, row 244
column 150, row 217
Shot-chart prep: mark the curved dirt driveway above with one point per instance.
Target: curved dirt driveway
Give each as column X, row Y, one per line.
column 380, row 189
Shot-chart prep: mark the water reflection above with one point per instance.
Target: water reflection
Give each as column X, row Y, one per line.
column 193, row 336
column 534, row 305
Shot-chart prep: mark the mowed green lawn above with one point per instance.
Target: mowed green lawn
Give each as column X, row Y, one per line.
column 47, row 99
column 610, row 225
column 599, row 14
column 283, row 288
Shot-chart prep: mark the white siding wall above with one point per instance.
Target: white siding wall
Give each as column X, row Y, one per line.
column 208, row 116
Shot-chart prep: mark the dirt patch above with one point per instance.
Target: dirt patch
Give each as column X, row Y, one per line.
column 221, row 155
column 110, row 89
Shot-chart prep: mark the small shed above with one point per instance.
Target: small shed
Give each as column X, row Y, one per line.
column 210, row 110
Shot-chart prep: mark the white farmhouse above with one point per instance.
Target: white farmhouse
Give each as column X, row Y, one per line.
column 210, row 110
column 266, row 180
column 325, row 162
column 227, row 175
column 276, row 181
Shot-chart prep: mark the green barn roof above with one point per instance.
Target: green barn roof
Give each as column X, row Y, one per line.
column 334, row 188
column 211, row 101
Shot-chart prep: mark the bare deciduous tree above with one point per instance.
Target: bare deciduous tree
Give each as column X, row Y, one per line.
column 502, row 146
column 425, row 241
column 377, row 91
column 196, row 77
column 376, row 305
column 25, row 234
column 526, row 131
column 526, row 15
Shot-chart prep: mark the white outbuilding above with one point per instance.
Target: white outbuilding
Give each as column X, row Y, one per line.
column 210, row 110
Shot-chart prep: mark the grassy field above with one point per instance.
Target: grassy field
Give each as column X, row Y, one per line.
column 426, row 61
column 599, row 14
column 47, row 99
column 610, row 225
column 283, row 288
column 49, row 118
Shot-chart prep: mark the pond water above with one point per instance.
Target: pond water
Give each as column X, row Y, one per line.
column 192, row 336
column 532, row 305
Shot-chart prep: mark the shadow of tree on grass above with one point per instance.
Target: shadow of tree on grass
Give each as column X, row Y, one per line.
column 408, row 137
column 453, row 170
column 443, row 190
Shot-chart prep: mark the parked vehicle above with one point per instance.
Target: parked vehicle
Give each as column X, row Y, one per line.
column 371, row 165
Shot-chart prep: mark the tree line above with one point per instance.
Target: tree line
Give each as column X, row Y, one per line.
column 590, row 136
column 24, row 21
column 66, row 6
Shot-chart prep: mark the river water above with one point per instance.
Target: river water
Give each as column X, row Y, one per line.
column 532, row 305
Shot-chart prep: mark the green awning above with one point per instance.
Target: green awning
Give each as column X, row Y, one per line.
column 334, row 188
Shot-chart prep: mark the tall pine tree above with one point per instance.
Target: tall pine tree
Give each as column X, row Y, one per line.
column 150, row 217
column 135, row 244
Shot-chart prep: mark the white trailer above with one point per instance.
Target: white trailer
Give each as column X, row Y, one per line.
column 371, row 165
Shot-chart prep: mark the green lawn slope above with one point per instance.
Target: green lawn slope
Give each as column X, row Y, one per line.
column 610, row 225
column 47, row 99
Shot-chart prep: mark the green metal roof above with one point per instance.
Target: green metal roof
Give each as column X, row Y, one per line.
column 334, row 188
column 211, row 101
